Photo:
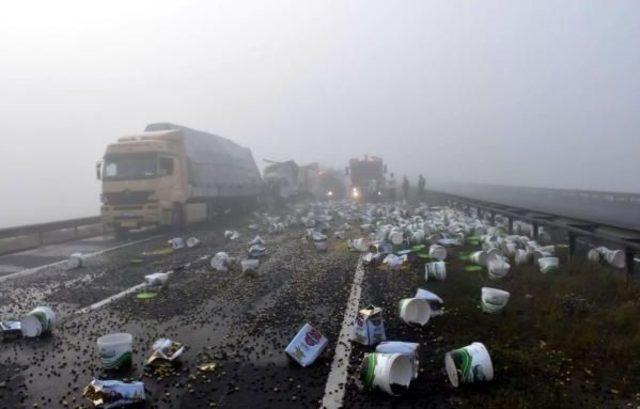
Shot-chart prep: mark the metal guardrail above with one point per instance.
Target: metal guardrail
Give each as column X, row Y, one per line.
column 628, row 239
column 25, row 237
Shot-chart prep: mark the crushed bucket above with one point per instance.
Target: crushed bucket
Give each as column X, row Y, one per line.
column 369, row 326
column 493, row 300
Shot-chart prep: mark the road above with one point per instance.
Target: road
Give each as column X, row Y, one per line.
column 242, row 323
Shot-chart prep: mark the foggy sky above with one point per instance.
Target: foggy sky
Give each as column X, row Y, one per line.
column 542, row 93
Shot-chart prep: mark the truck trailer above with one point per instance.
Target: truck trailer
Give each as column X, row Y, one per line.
column 171, row 175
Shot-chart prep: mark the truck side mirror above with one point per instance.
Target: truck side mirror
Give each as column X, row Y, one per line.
column 99, row 170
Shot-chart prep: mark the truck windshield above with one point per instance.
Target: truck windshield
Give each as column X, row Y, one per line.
column 131, row 166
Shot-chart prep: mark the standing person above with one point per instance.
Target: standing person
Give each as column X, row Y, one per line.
column 405, row 187
column 421, row 187
column 392, row 187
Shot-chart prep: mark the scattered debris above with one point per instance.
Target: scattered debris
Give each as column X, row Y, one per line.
column 369, row 326
column 107, row 394
column 166, row 350
column 76, row 260
column 307, row 345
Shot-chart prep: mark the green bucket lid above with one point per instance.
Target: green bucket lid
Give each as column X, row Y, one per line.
column 146, row 295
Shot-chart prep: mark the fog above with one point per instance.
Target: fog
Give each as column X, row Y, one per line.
column 538, row 93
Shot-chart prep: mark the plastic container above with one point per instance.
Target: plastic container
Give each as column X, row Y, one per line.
column 415, row 311
column 493, row 300
column 38, row 322
column 469, row 364
column 76, row 260
column 391, row 373
column 436, row 270
column 115, row 350
column 548, row 264
column 438, row 252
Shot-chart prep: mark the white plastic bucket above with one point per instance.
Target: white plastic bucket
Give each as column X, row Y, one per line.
column 176, row 243
column 220, row 262
column 548, row 264
column 391, row 373
column 358, row 245
column 193, row 242
column 498, row 268
column 469, row 364
column 594, row 256
column 39, row 321
column 522, row 256
column 616, row 258
column 479, row 258
column 76, row 260
column 429, row 296
column 115, row 350
column 396, row 237
column 249, row 265
column 415, row 311
column 409, row 349
column 493, row 300
column 156, row 278
column 438, row 252
column 435, row 269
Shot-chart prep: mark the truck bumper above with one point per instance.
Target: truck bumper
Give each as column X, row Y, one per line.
column 131, row 216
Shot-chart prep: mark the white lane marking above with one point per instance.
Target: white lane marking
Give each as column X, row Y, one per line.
column 29, row 271
column 121, row 294
column 336, row 382
column 111, row 299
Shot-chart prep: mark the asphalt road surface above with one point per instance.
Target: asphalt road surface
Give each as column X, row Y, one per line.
column 239, row 321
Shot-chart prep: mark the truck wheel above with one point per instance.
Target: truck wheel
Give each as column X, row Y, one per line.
column 177, row 217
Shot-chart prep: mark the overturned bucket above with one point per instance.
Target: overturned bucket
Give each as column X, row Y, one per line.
column 76, row 260
column 39, row 321
column 391, row 373
column 415, row 311
column 409, row 349
column 469, row 364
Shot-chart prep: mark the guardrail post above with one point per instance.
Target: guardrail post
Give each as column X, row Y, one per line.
column 536, row 231
column 510, row 224
column 572, row 247
column 492, row 218
column 630, row 260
